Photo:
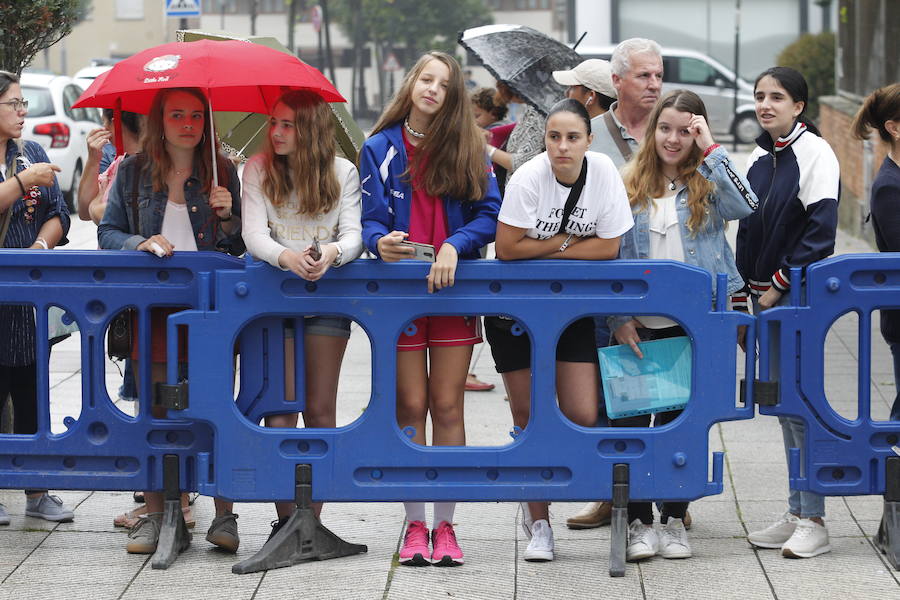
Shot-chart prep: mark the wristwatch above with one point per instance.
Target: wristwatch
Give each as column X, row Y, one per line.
column 339, row 257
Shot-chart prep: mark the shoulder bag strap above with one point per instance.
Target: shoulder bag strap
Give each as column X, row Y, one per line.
column 574, row 194
column 616, row 135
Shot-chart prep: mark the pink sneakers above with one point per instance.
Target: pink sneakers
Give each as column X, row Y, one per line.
column 414, row 552
column 446, row 551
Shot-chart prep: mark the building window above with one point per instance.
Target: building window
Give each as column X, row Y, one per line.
column 129, row 10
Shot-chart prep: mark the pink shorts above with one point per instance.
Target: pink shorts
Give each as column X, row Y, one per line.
column 441, row 331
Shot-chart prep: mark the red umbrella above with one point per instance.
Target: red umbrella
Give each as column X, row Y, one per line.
column 235, row 75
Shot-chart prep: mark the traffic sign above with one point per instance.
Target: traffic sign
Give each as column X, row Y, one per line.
column 391, row 63
column 316, row 18
column 182, row 8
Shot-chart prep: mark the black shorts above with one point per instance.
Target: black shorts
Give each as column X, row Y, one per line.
column 513, row 352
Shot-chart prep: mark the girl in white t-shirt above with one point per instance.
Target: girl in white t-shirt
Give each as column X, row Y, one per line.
column 295, row 193
column 529, row 227
column 683, row 190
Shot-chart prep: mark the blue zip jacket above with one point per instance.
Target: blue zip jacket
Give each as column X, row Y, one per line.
column 387, row 197
column 708, row 249
column 797, row 181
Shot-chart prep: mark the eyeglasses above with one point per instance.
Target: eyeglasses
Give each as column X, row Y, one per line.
column 17, row 104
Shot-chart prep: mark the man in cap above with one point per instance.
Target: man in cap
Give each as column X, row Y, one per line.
column 591, row 84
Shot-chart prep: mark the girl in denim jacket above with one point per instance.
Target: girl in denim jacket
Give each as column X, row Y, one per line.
column 683, row 190
column 177, row 208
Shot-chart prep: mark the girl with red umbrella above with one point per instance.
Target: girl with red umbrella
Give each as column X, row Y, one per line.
column 292, row 187
column 163, row 200
column 426, row 179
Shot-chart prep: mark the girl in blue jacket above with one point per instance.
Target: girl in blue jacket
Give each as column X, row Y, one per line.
column 683, row 191
column 795, row 174
column 425, row 178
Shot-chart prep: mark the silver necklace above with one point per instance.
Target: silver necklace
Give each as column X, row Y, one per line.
column 412, row 131
column 671, row 185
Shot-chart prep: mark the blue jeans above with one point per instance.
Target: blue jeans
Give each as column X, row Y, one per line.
column 128, row 389
column 793, row 430
column 895, row 409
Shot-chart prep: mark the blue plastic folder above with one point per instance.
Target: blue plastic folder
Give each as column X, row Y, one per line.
column 659, row 382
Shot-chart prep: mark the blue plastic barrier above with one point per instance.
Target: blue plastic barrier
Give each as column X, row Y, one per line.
column 843, row 457
column 219, row 451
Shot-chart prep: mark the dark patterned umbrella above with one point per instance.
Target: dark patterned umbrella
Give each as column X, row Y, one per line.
column 524, row 59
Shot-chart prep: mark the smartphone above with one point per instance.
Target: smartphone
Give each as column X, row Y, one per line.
column 316, row 250
column 423, row 251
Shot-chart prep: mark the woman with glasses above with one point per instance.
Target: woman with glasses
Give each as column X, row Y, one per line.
column 33, row 215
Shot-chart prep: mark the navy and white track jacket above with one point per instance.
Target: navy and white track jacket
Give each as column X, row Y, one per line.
column 797, row 181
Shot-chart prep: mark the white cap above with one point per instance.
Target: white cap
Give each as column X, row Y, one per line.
column 593, row 74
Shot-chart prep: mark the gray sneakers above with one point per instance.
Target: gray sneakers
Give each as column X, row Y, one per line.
column 224, row 532
column 49, row 508
column 143, row 537
column 4, row 516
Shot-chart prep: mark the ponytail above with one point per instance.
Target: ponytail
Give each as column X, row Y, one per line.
column 880, row 106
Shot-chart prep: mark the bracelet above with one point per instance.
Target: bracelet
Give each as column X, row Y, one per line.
column 21, row 185
column 565, row 244
column 491, row 151
column 42, row 242
column 225, row 220
column 709, row 150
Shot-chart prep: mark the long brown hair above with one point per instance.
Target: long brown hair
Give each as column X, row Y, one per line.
column 154, row 144
column 644, row 177
column 309, row 169
column 880, row 106
column 453, row 148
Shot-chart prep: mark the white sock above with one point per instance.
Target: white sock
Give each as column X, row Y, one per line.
column 443, row 511
column 415, row 511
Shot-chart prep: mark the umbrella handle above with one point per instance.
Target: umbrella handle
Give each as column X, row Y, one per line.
column 212, row 142
column 117, row 128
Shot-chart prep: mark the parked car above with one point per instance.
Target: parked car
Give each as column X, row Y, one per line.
column 86, row 76
column 59, row 128
column 709, row 79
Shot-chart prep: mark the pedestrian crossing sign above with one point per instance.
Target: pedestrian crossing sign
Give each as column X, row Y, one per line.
column 182, row 8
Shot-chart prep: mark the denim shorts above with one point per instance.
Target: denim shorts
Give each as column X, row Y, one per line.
column 320, row 325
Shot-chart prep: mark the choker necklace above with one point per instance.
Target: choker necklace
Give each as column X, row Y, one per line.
column 671, row 185
column 412, row 131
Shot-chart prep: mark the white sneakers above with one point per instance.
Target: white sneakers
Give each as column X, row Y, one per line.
column 809, row 539
column 540, row 548
column 643, row 541
column 796, row 537
column 673, row 541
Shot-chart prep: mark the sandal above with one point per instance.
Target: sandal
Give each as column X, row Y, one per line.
column 131, row 518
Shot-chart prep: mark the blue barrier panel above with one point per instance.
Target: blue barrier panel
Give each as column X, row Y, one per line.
column 845, row 457
column 104, row 449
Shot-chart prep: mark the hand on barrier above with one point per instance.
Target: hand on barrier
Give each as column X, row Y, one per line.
column 320, row 267
column 389, row 247
column 627, row 334
column 220, row 201
column 40, row 174
column 299, row 263
column 443, row 269
column 769, row 299
column 699, row 129
column 157, row 245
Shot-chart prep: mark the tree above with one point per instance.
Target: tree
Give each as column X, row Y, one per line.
column 813, row 56
column 29, row 26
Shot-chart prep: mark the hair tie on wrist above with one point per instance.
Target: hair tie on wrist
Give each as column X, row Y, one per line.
column 21, row 185
column 709, row 150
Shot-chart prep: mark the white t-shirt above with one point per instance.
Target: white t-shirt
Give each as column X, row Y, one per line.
column 534, row 200
column 176, row 227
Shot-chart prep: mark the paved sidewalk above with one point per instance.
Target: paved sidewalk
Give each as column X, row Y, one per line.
column 86, row 558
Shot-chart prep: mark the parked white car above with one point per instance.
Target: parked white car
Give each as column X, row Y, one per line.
column 709, row 79
column 86, row 76
column 59, row 128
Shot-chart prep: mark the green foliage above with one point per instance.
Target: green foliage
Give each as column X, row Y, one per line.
column 812, row 55
column 29, row 26
column 416, row 24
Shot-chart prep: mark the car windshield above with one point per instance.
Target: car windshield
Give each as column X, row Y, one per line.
column 40, row 104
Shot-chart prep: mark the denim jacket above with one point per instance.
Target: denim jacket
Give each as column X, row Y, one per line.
column 115, row 230
column 708, row 249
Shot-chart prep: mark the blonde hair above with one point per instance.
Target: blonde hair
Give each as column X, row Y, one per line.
column 308, row 171
column 153, row 144
column 453, row 149
column 644, row 177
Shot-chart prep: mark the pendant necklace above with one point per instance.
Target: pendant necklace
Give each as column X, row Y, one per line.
column 671, row 185
column 412, row 131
